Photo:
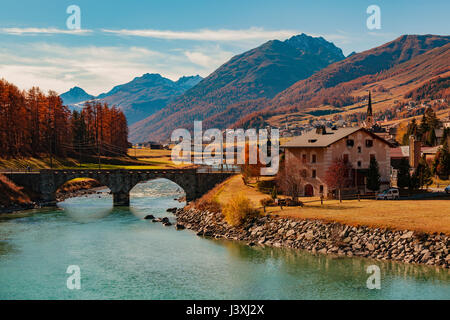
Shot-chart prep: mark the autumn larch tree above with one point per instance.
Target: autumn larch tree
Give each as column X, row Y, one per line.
column 33, row 123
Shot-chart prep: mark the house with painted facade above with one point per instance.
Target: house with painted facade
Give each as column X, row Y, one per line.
column 313, row 153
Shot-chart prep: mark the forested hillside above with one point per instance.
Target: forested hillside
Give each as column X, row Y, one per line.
column 34, row 123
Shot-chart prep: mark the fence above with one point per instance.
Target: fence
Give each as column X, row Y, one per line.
column 21, row 169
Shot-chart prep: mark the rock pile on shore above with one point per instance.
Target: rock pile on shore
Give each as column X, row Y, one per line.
column 326, row 238
column 61, row 196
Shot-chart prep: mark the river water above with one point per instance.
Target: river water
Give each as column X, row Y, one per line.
column 123, row 256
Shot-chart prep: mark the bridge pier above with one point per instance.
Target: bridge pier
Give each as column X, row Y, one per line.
column 46, row 182
column 121, row 199
column 49, row 199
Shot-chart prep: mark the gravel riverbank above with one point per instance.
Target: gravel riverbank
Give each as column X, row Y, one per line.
column 324, row 238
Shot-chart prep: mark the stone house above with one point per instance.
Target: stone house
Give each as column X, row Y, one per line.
column 313, row 153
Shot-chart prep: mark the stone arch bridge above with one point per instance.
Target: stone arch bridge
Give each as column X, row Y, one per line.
column 120, row 181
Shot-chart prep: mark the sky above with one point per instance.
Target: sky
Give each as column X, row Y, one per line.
column 121, row 40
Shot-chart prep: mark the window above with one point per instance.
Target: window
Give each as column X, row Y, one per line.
column 359, row 164
column 314, row 173
column 304, row 158
column 303, row 173
column 369, row 143
column 359, row 149
column 350, row 143
column 321, row 189
column 314, row 158
column 345, row 158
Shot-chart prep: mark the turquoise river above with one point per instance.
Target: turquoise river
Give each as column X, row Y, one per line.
column 123, row 256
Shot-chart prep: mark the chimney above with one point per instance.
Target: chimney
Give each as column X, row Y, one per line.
column 321, row 130
column 414, row 151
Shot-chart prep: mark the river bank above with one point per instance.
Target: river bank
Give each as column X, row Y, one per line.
column 123, row 256
column 323, row 238
column 14, row 198
column 78, row 188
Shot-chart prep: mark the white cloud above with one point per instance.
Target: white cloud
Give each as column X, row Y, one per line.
column 40, row 31
column 207, row 34
column 199, row 58
column 208, row 57
column 98, row 69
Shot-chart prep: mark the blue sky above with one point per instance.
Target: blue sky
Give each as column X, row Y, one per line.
column 121, row 40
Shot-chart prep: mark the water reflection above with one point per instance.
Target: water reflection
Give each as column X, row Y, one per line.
column 126, row 257
column 88, row 208
column 6, row 247
column 335, row 268
column 151, row 197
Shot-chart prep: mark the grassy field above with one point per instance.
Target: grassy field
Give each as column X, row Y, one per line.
column 158, row 159
column 139, row 159
column 429, row 216
column 36, row 163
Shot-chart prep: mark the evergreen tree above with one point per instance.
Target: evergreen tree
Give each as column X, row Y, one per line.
column 373, row 176
column 403, row 177
column 411, row 130
column 427, row 125
column 422, row 175
column 431, row 138
column 442, row 161
column 445, row 135
column 423, row 127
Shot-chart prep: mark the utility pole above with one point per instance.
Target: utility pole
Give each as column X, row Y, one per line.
column 79, row 151
column 51, row 129
column 97, row 136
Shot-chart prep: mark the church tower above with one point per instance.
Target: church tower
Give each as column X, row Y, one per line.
column 369, row 118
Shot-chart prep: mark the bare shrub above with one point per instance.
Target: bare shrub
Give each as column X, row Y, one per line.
column 289, row 180
column 238, row 210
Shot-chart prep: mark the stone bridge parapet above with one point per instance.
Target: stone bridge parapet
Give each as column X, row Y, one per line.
column 119, row 181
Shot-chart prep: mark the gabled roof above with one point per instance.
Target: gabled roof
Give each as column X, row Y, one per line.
column 403, row 151
column 312, row 139
column 400, row 152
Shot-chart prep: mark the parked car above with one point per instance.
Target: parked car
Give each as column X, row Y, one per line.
column 447, row 189
column 389, row 194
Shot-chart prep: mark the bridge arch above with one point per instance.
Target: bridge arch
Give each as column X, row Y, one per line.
column 119, row 181
column 172, row 185
column 156, row 194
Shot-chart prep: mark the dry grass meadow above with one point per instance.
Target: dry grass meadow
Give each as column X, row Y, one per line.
column 429, row 216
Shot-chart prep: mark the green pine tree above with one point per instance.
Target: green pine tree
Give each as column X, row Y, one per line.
column 422, row 175
column 412, row 129
column 431, row 138
column 373, row 176
column 403, row 177
column 442, row 161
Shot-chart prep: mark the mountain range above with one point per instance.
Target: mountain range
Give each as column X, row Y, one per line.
column 259, row 73
column 138, row 98
column 74, row 96
column 302, row 72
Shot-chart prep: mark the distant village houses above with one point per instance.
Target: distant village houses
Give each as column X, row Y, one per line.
column 313, row 152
